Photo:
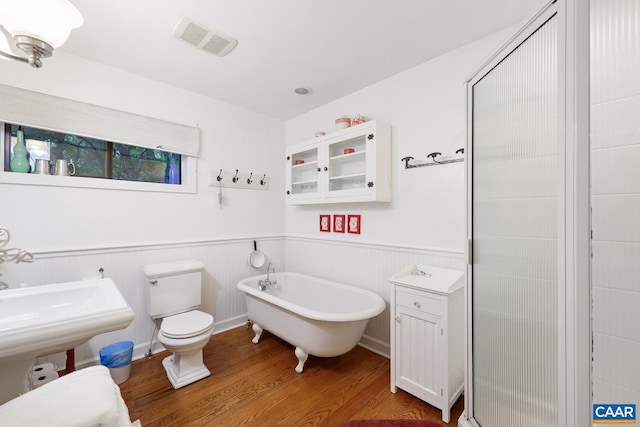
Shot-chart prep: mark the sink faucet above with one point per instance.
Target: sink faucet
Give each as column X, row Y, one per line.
column 263, row 284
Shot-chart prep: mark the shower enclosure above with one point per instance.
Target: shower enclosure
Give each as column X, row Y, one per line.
column 553, row 204
column 515, row 235
column 536, row 299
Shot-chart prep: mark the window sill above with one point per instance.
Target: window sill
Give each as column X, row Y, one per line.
column 106, row 184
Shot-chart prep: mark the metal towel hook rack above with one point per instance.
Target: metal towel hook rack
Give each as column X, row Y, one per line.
column 434, row 160
column 235, row 178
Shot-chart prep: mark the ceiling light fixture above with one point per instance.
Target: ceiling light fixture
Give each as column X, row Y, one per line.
column 302, row 90
column 36, row 27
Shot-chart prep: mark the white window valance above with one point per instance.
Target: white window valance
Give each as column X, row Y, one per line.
column 65, row 115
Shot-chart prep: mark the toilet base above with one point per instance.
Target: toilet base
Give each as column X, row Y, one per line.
column 185, row 369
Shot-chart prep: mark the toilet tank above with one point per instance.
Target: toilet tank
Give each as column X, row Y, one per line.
column 173, row 287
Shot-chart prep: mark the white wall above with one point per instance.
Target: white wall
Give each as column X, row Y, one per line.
column 425, row 107
column 74, row 231
column 48, row 218
column 615, row 198
column 425, row 222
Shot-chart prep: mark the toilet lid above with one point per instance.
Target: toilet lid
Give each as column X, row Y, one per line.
column 186, row 325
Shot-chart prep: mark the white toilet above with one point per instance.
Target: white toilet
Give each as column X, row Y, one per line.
column 174, row 292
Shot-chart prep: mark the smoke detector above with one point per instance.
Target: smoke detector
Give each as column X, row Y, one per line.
column 207, row 39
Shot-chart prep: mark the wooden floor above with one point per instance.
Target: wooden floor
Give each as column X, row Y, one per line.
column 256, row 385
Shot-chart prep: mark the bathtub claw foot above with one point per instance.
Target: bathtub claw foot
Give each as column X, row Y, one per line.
column 258, row 331
column 302, row 357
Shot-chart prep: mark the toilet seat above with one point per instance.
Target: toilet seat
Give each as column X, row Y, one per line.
column 186, row 325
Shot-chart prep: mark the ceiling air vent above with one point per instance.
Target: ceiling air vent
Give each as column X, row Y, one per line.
column 209, row 40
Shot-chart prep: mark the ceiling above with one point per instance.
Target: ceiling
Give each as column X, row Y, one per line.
column 333, row 46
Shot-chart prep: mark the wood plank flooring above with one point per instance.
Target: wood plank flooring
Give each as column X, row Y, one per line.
column 256, row 385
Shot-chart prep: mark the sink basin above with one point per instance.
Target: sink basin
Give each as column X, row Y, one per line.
column 40, row 320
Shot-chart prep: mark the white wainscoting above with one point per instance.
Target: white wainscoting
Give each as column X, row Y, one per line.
column 225, row 263
column 366, row 266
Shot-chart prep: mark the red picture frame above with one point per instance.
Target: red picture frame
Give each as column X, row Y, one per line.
column 353, row 224
column 325, row 223
column 338, row 223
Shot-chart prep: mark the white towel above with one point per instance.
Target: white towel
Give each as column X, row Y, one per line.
column 84, row 398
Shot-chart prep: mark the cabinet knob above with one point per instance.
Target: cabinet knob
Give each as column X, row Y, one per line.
column 288, row 157
column 416, row 304
column 370, row 136
column 153, row 282
column 319, row 169
column 398, row 319
column 288, row 192
column 326, row 168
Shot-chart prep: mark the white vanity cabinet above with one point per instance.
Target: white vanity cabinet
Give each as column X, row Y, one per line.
column 427, row 334
column 350, row 165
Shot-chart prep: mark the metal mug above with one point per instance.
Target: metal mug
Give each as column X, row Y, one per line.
column 64, row 168
column 43, row 167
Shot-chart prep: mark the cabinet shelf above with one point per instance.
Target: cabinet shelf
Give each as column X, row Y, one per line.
column 350, row 176
column 311, row 181
column 305, row 165
column 346, row 156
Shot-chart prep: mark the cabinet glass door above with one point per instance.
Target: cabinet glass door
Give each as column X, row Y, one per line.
column 304, row 169
column 347, row 166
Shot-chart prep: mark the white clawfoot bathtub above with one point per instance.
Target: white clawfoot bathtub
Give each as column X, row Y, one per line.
column 317, row 316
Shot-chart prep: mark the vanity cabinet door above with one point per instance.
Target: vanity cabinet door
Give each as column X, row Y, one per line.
column 419, row 347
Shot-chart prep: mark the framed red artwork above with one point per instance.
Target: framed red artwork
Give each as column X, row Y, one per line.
column 353, row 224
column 325, row 223
column 338, row 223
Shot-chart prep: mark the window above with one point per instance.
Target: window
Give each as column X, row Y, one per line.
column 95, row 158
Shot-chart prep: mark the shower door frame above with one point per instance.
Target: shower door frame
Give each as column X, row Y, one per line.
column 573, row 222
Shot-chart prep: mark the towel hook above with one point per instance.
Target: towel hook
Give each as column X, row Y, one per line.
column 434, row 155
column 219, row 178
column 235, row 178
column 249, row 180
column 262, row 181
column 406, row 162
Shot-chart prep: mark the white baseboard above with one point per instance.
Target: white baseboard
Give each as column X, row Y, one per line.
column 229, row 324
column 140, row 350
column 375, row 345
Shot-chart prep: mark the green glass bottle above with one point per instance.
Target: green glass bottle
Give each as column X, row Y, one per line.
column 20, row 160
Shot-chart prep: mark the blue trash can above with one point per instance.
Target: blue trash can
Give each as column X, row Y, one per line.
column 117, row 357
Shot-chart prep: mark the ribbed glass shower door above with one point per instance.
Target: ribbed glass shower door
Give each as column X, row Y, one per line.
column 514, row 214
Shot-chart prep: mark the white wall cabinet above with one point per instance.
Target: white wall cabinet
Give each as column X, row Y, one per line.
column 350, row 165
column 427, row 335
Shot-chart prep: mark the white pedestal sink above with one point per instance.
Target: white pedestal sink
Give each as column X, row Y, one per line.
column 40, row 320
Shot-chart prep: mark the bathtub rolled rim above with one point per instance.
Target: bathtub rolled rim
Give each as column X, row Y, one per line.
column 378, row 303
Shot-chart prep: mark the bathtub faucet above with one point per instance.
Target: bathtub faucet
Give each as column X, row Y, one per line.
column 270, row 267
column 263, row 284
